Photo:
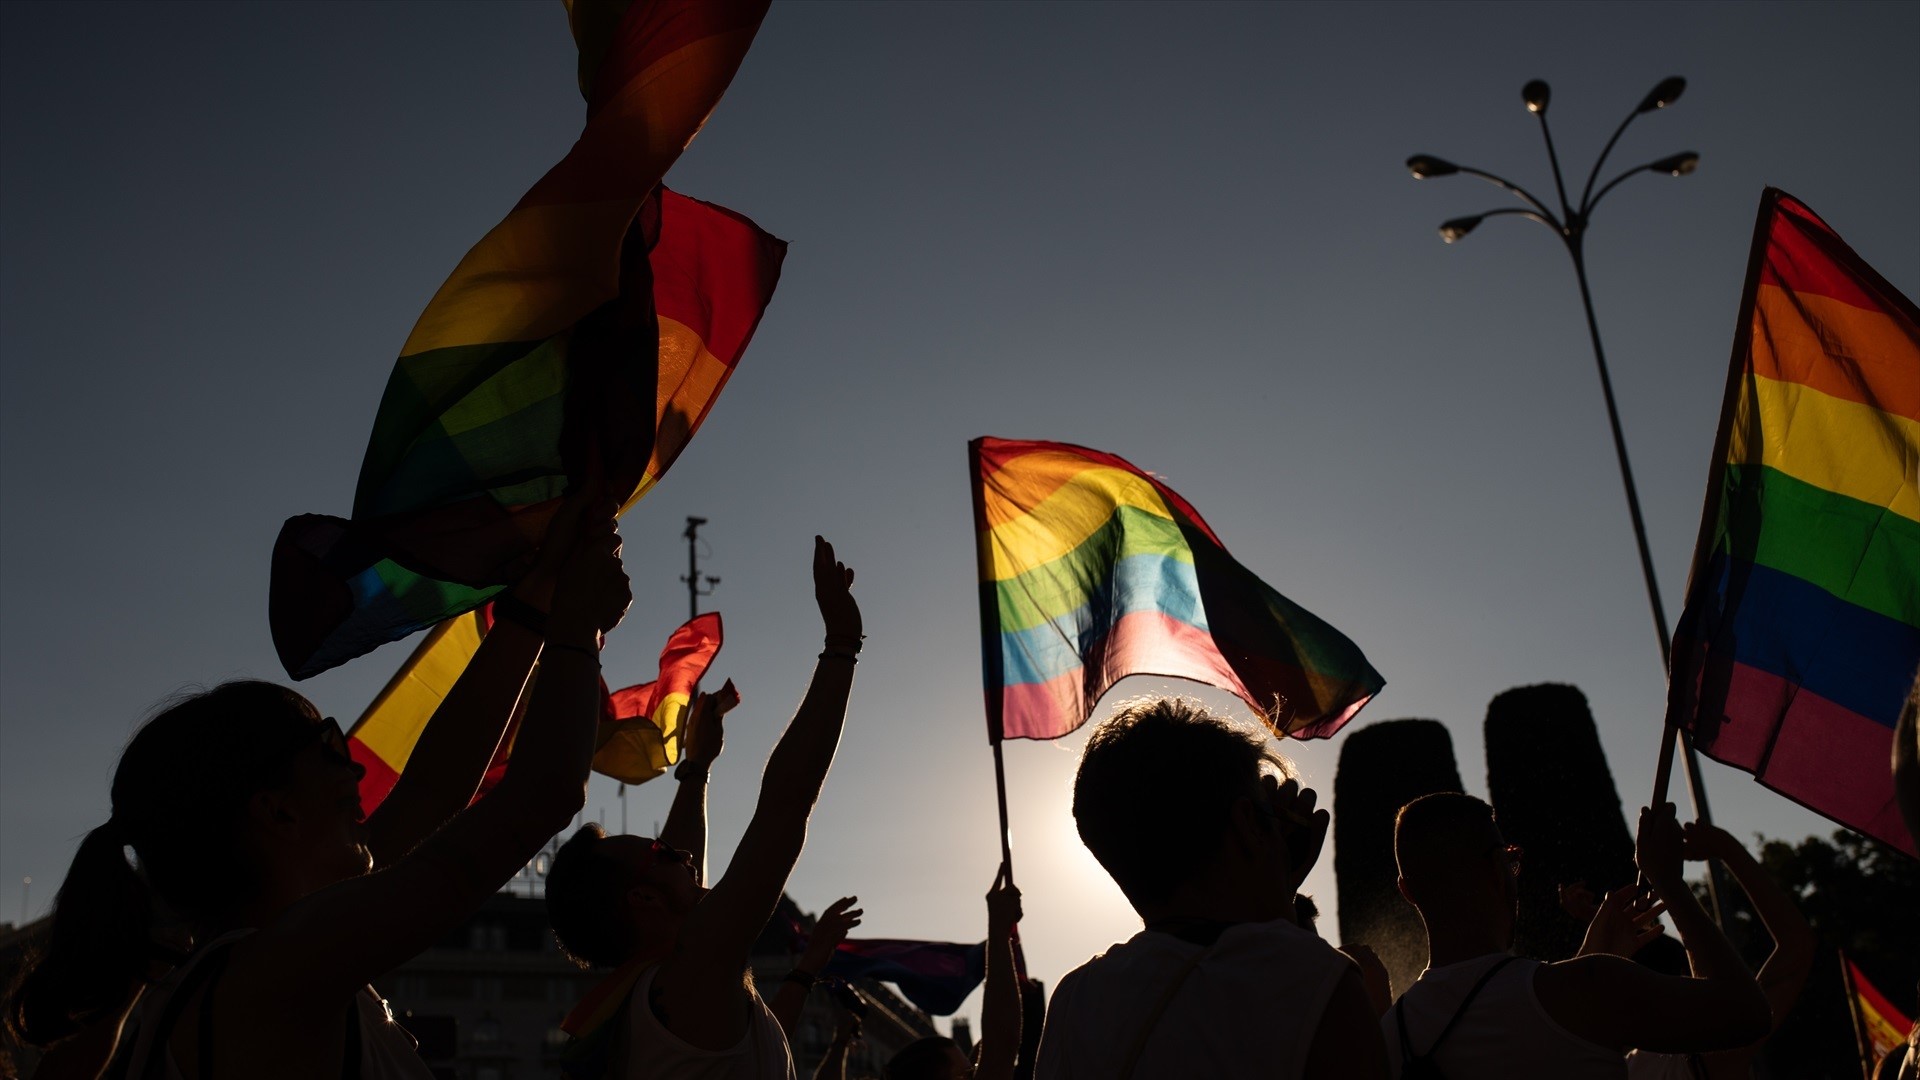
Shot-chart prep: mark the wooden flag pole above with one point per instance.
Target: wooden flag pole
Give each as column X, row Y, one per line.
column 1000, row 787
column 1853, row 1011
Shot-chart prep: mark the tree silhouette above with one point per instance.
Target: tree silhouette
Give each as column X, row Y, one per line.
column 1383, row 767
column 1550, row 786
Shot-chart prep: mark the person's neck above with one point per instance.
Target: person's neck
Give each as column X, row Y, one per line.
column 1218, row 906
column 1454, row 938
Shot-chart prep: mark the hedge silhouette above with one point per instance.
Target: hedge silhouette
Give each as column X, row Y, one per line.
column 1383, row 767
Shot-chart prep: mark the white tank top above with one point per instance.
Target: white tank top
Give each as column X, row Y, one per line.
column 1245, row 1007
column 387, row 1052
column 648, row 1050
column 1505, row 1032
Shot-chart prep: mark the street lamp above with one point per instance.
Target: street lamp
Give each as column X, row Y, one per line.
column 1570, row 224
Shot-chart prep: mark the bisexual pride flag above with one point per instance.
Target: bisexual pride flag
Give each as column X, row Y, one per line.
column 1801, row 631
column 1092, row 570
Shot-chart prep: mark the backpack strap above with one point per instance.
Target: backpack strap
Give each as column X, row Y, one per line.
column 1485, row 978
column 1153, row 1018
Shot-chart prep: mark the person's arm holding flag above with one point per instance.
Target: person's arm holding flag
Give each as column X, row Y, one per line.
column 686, row 827
column 1000, row 1006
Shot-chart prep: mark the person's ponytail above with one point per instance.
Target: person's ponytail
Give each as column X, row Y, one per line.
column 96, row 951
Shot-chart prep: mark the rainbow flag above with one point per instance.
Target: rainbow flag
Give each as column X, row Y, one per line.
column 600, row 319
column 1884, row 1027
column 1801, row 631
column 1092, row 570
column 640, row 726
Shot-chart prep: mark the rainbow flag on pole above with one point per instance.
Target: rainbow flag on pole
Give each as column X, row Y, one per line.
column 640, row 727
column 1801, row 631
column 1092, row 570
column 600, row 319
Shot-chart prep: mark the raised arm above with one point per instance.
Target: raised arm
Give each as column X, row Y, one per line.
column 347, row 933
column 698, row 988
column 1616, row 1002
column 829, row 930
column 1000, row 1006
column 1786, row 969
column 686, row 826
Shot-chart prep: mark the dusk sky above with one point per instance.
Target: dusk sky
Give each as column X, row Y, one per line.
column 1178, row 233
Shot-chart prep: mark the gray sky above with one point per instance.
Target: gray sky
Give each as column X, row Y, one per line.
column 1181, row 234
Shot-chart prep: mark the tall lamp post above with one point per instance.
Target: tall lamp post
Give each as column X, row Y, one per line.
column 1570, row 225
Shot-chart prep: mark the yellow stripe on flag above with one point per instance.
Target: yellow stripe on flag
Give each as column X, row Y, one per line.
column 1843, row 446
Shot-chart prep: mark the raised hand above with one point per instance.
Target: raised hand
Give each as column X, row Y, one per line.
column 832, row 585
column 591, row 592
column 1700, row 841
column 1625, row 921
column 1003, row 905
column 829, row 930
column 1657, row 847
column 1303, row 827
column 706, row 727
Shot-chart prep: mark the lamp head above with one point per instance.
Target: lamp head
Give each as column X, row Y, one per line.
column 1426, row 166
column 1535, row 94
column 1458, row 227
column 1678, row 165
column 1663, row 95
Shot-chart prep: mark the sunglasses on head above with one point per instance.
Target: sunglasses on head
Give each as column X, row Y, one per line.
column 331, row 739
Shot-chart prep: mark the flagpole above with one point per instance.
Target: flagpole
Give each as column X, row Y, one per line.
column 1000, row 788
column 1853, row 1010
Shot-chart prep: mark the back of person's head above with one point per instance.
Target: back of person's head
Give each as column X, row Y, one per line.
column 584, row 888
column 932, row 1058
column 180, row 801
column 1155, row 792
column 1444, row 845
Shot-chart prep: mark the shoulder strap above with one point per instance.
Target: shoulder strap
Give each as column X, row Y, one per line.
column 1153, row 1018
column 203, row 973
column 1468, row 1000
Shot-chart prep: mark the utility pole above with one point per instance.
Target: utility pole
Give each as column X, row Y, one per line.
column 697, row 585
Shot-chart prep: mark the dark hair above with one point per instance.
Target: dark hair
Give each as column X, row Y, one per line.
column 584, row 886
column 1435, row 834
column 921, row 1059
column 1155, row 792
column 179, row 801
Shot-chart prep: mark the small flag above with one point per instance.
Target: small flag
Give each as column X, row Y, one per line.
column 936, row 976
column 1885, row 1028
column 1092, row 570
column 601, row 318
column 640, row 727
column 1801, row 631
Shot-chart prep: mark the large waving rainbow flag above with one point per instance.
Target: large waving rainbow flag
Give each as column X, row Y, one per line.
column 1091, row 570
column 1801, row 631
column 641, row 727
column 600, row 319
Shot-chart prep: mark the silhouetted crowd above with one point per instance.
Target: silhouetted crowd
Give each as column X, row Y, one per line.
column 260, row 901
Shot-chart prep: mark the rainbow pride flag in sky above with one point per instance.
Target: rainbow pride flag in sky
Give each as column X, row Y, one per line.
column 641, row 727
column 1801, row 631
column 599, row 320
column 1092, row 570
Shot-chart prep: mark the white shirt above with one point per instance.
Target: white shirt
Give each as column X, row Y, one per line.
column 648, row 1051
column 1505, row 1032
column 1248, row 1006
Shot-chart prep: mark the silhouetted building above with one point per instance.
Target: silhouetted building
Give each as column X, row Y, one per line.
column 1383, row 767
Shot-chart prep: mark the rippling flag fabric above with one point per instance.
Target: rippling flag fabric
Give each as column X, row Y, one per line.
column 600, row 320
column 1801, row 630
column 640, row 727
column 1886, row 1029
column 1092, row 570
column 936, row 976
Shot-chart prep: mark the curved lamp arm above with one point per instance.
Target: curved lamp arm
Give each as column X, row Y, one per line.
column 1586, row 204
column 1502, row 182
